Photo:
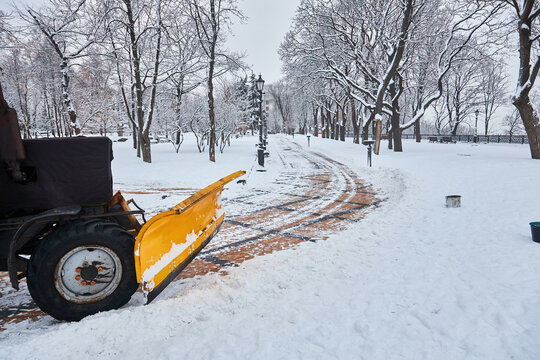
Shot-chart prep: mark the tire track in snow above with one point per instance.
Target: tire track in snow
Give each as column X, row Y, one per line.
column 313, row 197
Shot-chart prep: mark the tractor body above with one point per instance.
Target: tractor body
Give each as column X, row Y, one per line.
column 65, row 180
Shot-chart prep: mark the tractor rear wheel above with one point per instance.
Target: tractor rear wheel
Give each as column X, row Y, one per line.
column 83, row 268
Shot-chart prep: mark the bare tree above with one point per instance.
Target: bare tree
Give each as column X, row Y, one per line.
column 136, row 28
column 283, row 102
column 211, row 21
column 462, row 87
column 184, row 60
column 493, row 84
column 198, row 123
column 513, row 124
column 228, row 113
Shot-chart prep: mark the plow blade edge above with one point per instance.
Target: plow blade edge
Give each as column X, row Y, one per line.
column 169, row 241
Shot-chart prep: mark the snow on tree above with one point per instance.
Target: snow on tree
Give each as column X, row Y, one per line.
column 367, row 48
column 70, row 30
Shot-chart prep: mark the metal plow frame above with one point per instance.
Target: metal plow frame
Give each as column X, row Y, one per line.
column 169, row 241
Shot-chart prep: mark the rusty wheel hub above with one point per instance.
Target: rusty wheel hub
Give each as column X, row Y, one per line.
column 88, row 274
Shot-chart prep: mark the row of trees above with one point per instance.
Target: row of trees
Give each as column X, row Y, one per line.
column 146, row 65
column 359, row 61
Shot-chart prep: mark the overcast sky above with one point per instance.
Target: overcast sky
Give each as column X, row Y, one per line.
column 5, row 5
column 263, row 32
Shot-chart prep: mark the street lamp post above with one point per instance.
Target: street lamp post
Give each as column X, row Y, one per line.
column 476, row 126
column 260, row 150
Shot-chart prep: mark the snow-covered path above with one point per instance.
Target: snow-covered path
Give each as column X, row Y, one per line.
column 412, row 280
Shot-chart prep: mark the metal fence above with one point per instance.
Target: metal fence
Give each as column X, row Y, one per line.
column 506, row 139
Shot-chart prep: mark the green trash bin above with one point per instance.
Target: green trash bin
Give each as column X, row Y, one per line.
column 535, row 231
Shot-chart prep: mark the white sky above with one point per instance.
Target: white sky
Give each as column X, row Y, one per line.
column 259, row 38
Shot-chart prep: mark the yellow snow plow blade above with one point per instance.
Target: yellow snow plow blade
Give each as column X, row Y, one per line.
column 169, row 241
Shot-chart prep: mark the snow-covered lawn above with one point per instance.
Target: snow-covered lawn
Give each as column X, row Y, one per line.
column 413, row 280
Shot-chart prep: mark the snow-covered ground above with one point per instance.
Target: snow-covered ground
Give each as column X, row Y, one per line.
column 413, row 280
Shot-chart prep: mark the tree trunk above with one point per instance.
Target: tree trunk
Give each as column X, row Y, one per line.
column 145, row 150
column 455, row 128
column 336, row 125
column 332, row 126
column 67, row 98
column 532, row 124
column 211, row 113
column 178, row 113
column 328, row 124
column 315, row 123
column 322, row 123
column 343, row 128
column 134, row 135
column 143, row 143
column 139, row 136
column 365, row 130
column 356, row 127
column 417, row 131
column 396, row 135
column 394, row 120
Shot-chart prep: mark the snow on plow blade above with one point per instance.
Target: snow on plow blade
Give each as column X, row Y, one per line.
column 169, row 241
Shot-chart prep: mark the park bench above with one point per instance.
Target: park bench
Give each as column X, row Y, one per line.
column 447, row 139
column 433, row 139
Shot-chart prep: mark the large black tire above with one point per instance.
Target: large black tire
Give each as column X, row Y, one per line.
column 51, row 272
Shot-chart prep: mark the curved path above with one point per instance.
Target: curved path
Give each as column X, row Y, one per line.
column 312, row 197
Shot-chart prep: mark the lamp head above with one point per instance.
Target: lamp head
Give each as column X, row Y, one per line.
column 260, row 83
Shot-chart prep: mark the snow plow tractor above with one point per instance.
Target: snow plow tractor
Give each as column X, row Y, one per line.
column 82, row 248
